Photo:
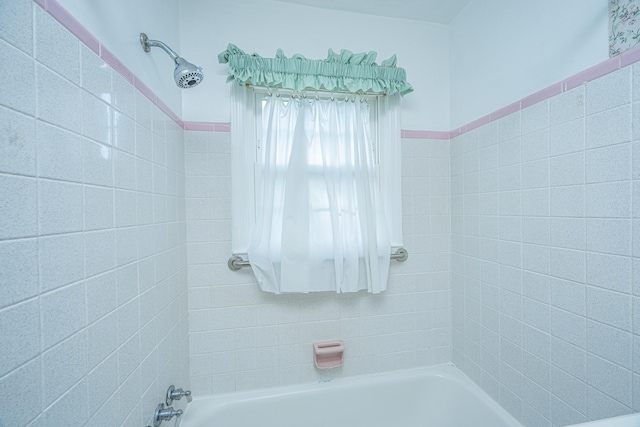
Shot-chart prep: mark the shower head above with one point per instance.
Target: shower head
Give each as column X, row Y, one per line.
column 185, row 74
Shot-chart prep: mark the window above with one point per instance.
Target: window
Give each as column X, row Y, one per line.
column 249, row 163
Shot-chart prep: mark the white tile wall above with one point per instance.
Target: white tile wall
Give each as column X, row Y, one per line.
column 241, row 337
column 553, row 309
column 94, row 324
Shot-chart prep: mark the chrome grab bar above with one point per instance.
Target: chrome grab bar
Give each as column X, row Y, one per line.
column 236, row 262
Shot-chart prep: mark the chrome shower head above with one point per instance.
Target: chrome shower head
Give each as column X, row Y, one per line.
column 185, row 74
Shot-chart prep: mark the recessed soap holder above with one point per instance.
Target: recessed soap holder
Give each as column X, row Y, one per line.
column 328, row 354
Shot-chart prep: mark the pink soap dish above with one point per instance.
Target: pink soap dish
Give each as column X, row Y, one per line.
column 328, row 354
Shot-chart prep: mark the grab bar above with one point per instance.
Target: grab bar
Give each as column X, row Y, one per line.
column 236, row 262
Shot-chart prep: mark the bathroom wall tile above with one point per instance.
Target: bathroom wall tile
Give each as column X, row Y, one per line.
column 567, row 138
column 102, row 339
column 572, row 390
column 535, row 230
column 125, row 208
column 609, row 91
column 95, row 75
column 535, row 203
column 61, row 260
column 601, row 406
column 22, row 334
column 608, row 307
column 609, row 127
column 59, row 207
column 609, row 200
column 509, row 152
column 123, row 95
column 568, row 264
column 59, row 101
column 96, row 119
column 569, row 358
column 568, row 201
column 508, row 127
column 18, row 97
column 126, row 245
column 612, row 163
column 101, row 384
column 569, row 296
column 567, row 169
column 18, row 143
column 62, row 313
column 70, row 408
column 610, row 379
column 569, row 233
column 98, row 208
column 124, row 168
column 567, row 106
column 56, row 47
column 609, row 272
column 17, row 24
column 129, row 358
column 20, row 278
column 509, row 178
column 609, row 236
column 535, row 145
column 18, row 201
column 535, row 117
column 124, row 133
column 101, row 295
column 569, row 327
column 144, row 111
column 535, row 174
column 97, row 163
column 59, row 153
column 99, row 251
column 610, row 343
column 25, row 381
column 63, row 366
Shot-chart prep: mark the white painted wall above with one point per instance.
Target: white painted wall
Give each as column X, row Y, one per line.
column 117, row 24
column 505, row 50
column 263, row 26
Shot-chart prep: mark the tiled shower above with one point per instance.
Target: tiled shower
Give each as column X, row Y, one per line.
column 115, row 234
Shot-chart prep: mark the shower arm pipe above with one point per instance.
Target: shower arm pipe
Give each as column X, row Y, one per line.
column 236, row 262
column 148, row 44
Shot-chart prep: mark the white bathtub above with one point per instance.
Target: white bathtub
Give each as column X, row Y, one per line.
column 439, row 396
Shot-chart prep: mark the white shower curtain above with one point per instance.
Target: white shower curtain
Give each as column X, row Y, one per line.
column 319, row 225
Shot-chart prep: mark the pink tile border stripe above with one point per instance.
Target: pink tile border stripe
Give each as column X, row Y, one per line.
column 608, row 66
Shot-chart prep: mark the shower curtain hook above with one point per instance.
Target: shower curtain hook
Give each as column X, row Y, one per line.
column 332, row 97
column 277, row 92
column 317, row 97
column 269, row 91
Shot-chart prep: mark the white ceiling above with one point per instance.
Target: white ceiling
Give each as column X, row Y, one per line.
column 438, row 11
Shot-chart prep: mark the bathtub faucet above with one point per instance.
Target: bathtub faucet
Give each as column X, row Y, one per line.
column 176, row 394
column 165, row 414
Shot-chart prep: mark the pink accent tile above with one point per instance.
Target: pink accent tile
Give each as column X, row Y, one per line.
column 115, row 63
column 41, row 3
column 413, row 134
column 477, row 123
column 222, row 127
column 505, row 111
column 70, row 23
column 542, row 95
column 202, row 126
column 457, row 132
column 137, row 83
column 630, row 56
column 603, row 68
column 165, row 108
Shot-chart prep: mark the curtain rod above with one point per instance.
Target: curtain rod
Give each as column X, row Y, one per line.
column 316, row 91
column 236, row 262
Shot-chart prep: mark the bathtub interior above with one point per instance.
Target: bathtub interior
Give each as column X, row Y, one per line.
column 441, row 396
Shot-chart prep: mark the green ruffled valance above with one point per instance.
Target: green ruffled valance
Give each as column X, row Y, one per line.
column 343, row 72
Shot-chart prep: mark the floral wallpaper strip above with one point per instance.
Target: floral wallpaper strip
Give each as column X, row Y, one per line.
column 624, row 25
